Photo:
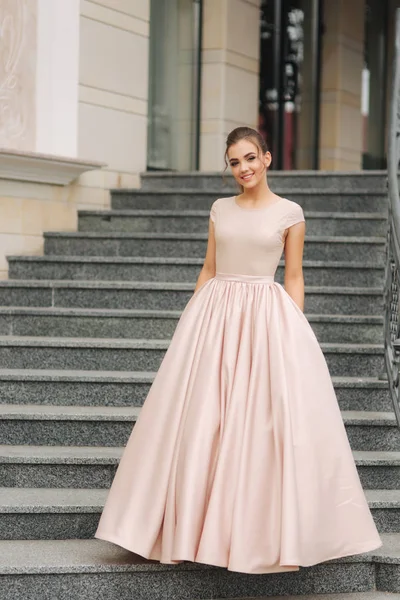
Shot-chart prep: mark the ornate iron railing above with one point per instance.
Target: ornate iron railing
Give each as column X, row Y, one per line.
column 392, row 274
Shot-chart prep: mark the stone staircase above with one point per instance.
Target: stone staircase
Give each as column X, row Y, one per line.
column 83, row 330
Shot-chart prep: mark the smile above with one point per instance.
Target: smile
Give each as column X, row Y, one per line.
column 247, row 177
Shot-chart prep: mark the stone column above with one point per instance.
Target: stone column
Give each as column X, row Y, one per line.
column 230, row 74
column 342, row 64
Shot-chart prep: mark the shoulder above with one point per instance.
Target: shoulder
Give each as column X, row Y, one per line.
column 292, row 212
column 219, row 204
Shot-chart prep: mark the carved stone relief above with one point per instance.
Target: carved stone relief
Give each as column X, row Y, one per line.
column 18, row 74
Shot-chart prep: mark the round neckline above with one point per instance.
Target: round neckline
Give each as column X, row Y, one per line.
column 256, row 209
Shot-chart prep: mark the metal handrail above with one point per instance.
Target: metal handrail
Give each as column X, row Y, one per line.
column 392, row 272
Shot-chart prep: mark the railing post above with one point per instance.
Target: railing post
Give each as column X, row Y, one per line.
column 392, row 270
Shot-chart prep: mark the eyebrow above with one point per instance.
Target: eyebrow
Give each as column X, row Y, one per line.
column 246, row 155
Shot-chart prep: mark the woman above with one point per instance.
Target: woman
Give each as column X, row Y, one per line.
column 239, row 457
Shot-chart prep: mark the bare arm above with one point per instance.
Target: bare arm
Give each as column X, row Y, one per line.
column 208, row 269
column 294, row 280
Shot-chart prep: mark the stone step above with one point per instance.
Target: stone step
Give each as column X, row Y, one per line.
column 351, row 596
column 279, row 181
column 168, row 296
column 44, row 425
column 49, row 514
column 104, row 268
column 75, row 322
column 362, row 393
column 193, row 245
column 56, row 513
column 66, row 425
column 311, row 200
column 354, row 360
column 372, row 430
column 125, row 388
column 94, row 467
column 355, row 596
column 92, row 569
column 377, row 469
column 186, row 220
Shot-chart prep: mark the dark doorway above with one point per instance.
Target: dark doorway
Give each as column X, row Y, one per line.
column 290, row 34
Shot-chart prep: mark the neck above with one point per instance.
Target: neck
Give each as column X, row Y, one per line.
column 257, row 193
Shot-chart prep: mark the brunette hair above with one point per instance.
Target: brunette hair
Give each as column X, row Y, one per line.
column 245, row 133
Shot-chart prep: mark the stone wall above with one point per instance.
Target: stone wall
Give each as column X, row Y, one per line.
column 73, row 81
column 113, row 88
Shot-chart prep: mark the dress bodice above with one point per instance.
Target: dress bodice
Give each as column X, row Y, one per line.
column 250, row 241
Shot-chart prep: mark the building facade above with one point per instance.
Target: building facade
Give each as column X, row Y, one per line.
column 93, row 92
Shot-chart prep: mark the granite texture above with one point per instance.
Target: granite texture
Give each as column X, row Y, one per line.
column 111, row 426
column 168, row 296
column 64, row 433
column 194, row 245
column 380, row 476
column 185, row 220
column 353, row 360
column 51, row 526
column 76, row 393
column 84, row 355
column 107, row 326
column 116, row 269
column 356, row 596
column 66, row 426
column 349, row 301
column 108, row 388
column 55, row 501
column 314, row 200
column 48, row 525
column 84, row 467
column 73, row 513
column 94, row 556
column 387, row 520
column 186, row 584
column 318, row 181
column 347, row 332
column 19, row 295
column 161, row 324
column 145, row 355
column 61, row 467
column 327, row 200
column 362, row 394
column 367, row 437
column 141, row 269
column 61, row 475
column 388, row 578
column 115, row 296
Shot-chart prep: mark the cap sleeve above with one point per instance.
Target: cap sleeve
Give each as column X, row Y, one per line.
column 213, row 211
column 295, row 216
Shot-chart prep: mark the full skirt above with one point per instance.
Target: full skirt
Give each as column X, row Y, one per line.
column 239, row 457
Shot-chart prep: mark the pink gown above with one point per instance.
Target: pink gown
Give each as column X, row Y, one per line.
column 239, row 457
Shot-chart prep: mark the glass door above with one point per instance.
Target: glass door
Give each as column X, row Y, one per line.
column 289, row 81
column 373, row 85
column 173, row 116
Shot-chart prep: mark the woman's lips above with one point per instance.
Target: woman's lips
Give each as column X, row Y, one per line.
column 247, row 177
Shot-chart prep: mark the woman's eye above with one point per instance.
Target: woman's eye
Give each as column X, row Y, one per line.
column 251, row 157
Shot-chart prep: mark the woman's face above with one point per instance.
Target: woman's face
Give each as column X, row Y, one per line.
column 248, row 164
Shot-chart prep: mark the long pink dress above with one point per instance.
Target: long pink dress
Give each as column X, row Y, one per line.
column 240, row 457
